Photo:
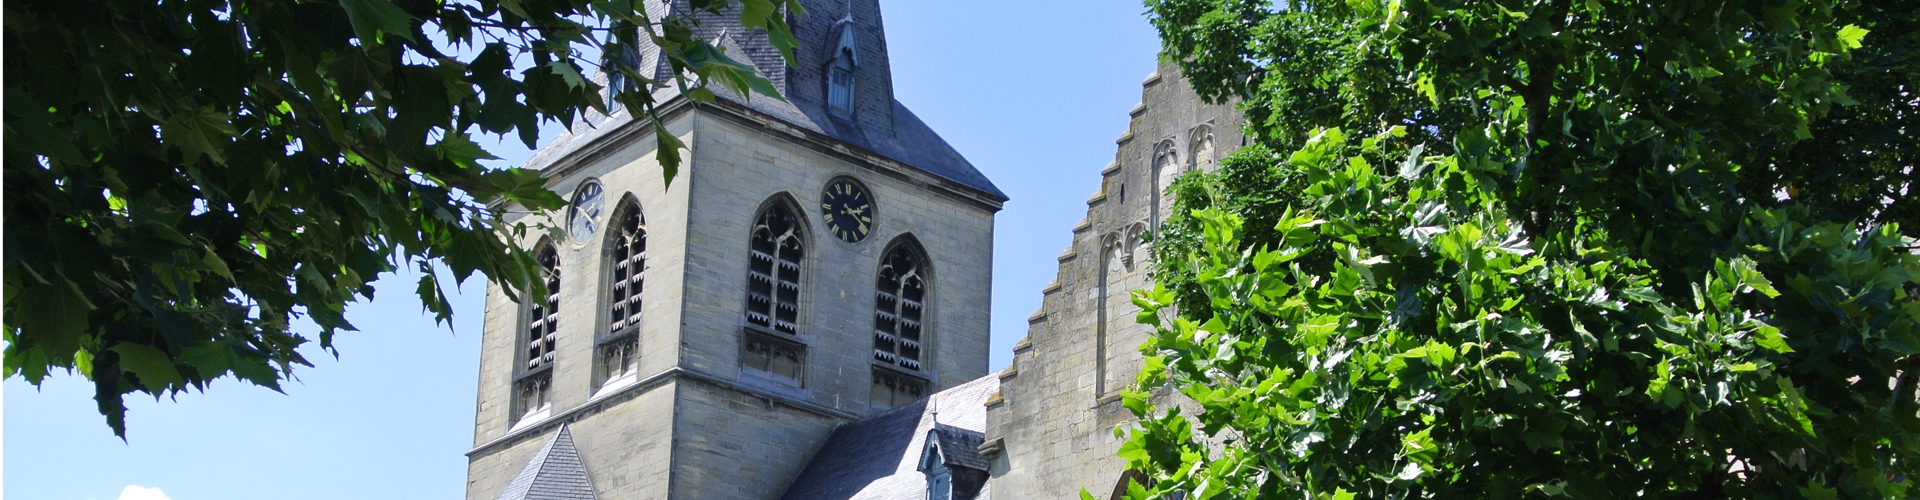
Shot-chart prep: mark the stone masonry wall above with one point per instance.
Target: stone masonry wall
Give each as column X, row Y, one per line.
column 1050, row 431
column 625, row 168
column 733, row 444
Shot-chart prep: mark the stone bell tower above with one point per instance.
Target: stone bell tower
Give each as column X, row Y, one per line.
column 816, row 260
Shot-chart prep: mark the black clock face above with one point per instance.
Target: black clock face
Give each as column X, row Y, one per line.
column 847, row 210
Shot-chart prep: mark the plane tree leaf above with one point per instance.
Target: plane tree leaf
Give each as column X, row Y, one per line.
column 1626, row 249
column 188, row 180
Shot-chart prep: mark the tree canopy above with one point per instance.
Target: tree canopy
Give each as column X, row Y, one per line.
column 1505, row 248
column 184, row 178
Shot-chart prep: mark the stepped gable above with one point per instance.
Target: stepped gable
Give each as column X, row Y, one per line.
column 879, row 124
column 877, row 458
column 555, row 473
column 1050, row 429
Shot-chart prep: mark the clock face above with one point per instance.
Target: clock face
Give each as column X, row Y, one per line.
column 583, row 217
column 847, row 210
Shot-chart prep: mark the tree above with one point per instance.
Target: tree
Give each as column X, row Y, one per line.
column 1500, row 249
column 186, row 177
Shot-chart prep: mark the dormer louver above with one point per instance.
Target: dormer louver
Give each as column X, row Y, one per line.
column 843, row 59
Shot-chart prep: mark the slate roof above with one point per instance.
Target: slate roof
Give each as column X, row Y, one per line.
column 555, row 473
column 877, row 458
column 960, row 447
column 910, row 141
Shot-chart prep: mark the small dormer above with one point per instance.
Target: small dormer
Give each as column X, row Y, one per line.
column 843, row 60
column 952, row 463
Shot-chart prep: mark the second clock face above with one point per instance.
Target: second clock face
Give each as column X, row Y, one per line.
column 583, row 217
column 847, row 210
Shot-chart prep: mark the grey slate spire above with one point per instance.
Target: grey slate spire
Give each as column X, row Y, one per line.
column 555, row 473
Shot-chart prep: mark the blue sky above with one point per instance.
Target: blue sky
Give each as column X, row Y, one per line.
column 1034, row 93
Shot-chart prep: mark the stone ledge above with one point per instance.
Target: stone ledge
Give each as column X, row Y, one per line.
column 1052, row 286
column 1151, row 79
column 994, row 400
column 1111, row 169
column 1011, row 372
column 644, row 385
column 1137, row 109
column 1068, row 254
column 993, row 448
column 1085, row 224
column 1024, row 344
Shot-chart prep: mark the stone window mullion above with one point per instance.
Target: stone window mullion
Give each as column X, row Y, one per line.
column 771, row 343
column 532, row 389
column 899, row 303
column 619, row 347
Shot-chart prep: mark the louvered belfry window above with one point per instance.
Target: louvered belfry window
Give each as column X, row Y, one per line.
column 619, row 347
column 544, row 320
column 629, row 259
column 899, row 302
column 773, row 276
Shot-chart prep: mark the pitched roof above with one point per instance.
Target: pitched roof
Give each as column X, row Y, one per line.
column 555, row 473
column 959, row 447
column 877, row 458
column 908, row 141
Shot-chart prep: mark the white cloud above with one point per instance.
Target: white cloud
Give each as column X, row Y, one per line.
column 137, row 493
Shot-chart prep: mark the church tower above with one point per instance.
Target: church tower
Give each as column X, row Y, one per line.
column 816, row 261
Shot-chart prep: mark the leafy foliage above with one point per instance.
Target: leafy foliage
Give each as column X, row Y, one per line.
column 1588, row 249
column 185, row 177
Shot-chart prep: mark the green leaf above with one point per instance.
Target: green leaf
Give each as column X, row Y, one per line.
column 568, row 74
column 1816, row 491
column 155, row 368
column 218, row 265
column 1768, row 336
column 1851, row 35
column 372, row 19
column 57, row 323
column 204, row 132
column 1137, row 492
column 460, row 149
column 30, row 126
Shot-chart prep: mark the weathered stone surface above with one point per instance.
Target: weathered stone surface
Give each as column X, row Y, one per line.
column 1052, row 427
column 695, row 423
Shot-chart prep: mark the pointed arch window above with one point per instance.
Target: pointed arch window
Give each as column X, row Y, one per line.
column 618, row 348
column 531, row 388
column 899, row 305
column 1202, row 155
column 770, row 345
column 773, row 276
column 1166, row 168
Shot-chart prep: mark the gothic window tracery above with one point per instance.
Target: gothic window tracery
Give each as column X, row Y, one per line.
column 774, row 356
column 1116, row 255
column 1202, row 149
column 1131, row 242
column 618, row 347
column 891, row 390
column 899, row 305
column 543, row 323
column 773, row 275
column 1166, row 168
